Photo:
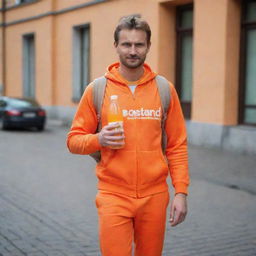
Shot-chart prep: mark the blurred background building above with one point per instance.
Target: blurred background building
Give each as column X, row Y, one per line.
column 51, row 49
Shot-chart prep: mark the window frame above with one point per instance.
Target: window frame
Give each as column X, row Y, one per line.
column 77, row 77
column 181, row 32
column 245, row 27
column 28, row 74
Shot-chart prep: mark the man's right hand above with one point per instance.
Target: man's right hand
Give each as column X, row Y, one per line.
column 109, row 136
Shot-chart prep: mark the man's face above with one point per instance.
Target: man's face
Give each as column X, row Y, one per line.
column 132, row 47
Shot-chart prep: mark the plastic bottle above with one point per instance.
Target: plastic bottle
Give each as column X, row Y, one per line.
column 115, row 115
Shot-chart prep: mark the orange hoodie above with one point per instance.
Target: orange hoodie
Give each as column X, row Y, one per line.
column 140, row 168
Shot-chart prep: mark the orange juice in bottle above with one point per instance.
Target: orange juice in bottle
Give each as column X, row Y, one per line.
column 115, row 115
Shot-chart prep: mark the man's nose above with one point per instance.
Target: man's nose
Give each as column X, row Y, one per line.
column 133, row 50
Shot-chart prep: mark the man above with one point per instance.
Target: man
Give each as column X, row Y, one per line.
column 133, row 193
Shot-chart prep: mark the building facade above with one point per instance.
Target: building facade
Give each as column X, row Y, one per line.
column 51, row 49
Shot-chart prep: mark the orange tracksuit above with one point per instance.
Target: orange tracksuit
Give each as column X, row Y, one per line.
column 133, row 193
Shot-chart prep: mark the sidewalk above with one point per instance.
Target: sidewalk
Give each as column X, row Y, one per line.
column 222, row 206
column 223, row 168
column 47, row 200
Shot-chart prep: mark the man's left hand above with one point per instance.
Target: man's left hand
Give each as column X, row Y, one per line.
column 178, row 209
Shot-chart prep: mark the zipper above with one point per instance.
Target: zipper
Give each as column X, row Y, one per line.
column 136, row 120
column 136, row 174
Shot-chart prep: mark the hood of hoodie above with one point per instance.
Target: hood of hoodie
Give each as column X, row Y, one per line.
column 114, row 74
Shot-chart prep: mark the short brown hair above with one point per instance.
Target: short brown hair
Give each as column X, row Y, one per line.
column 132, row 22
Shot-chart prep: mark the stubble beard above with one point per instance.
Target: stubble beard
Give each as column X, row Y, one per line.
column 133, row 65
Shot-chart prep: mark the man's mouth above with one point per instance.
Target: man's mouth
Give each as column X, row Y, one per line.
column 133, row 58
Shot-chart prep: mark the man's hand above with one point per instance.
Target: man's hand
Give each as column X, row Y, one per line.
column 109, row 136
column 178, row 209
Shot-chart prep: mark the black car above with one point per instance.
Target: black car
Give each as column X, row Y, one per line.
column 21, row 113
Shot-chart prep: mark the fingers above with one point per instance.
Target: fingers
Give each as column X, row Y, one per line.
column 115, row 144
column 111, row 140
column 113, row 129
column 114, row 138
column 110, row 136
column 172, row 213
column 112, row 126
column 179, row 216
column 178, row 210
column 114, row 132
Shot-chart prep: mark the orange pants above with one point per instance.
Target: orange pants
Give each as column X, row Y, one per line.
column 122, row 218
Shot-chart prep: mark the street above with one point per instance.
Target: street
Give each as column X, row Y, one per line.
column 47, row 200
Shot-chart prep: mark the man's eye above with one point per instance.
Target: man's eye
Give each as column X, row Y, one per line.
column 126, row 44
column 139, row 45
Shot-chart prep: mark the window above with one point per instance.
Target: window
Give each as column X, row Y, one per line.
column 22, row 1
column 81, row 51
column 22, row 103
column 2, row 104
column 12, row 3
column 248, row 64
column 29, row 66
column 184, row 29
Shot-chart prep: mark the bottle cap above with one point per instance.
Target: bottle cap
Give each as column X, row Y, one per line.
column 113, row 97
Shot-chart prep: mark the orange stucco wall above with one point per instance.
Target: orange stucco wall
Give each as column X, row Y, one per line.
column 167, row 41
column 1, row 52
column 1, row 56
column 27, row 10
column 62, row 4
column 102, row 49
column 215, row 53
column 232, row 66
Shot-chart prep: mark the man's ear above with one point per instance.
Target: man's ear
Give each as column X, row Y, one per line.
column 149, row 45
column 115, row 44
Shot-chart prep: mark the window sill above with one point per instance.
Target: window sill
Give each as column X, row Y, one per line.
column 14, row 6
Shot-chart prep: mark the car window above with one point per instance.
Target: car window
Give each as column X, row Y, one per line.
column 21, row 103
column 2, row 103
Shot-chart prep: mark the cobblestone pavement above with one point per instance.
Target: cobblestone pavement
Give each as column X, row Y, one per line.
column 47, row 201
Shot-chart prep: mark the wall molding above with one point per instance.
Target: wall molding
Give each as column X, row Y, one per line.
column 36, row 17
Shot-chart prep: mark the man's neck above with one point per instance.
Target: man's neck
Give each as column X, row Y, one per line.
column 131, row 74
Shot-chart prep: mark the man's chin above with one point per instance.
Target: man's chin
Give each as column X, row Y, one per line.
column 133, row 65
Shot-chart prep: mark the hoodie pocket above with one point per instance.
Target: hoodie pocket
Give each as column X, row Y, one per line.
column 152, row 167
column 118, row 166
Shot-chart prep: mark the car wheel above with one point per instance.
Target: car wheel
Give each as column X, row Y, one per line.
column 40, row 127
column 4, row 126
